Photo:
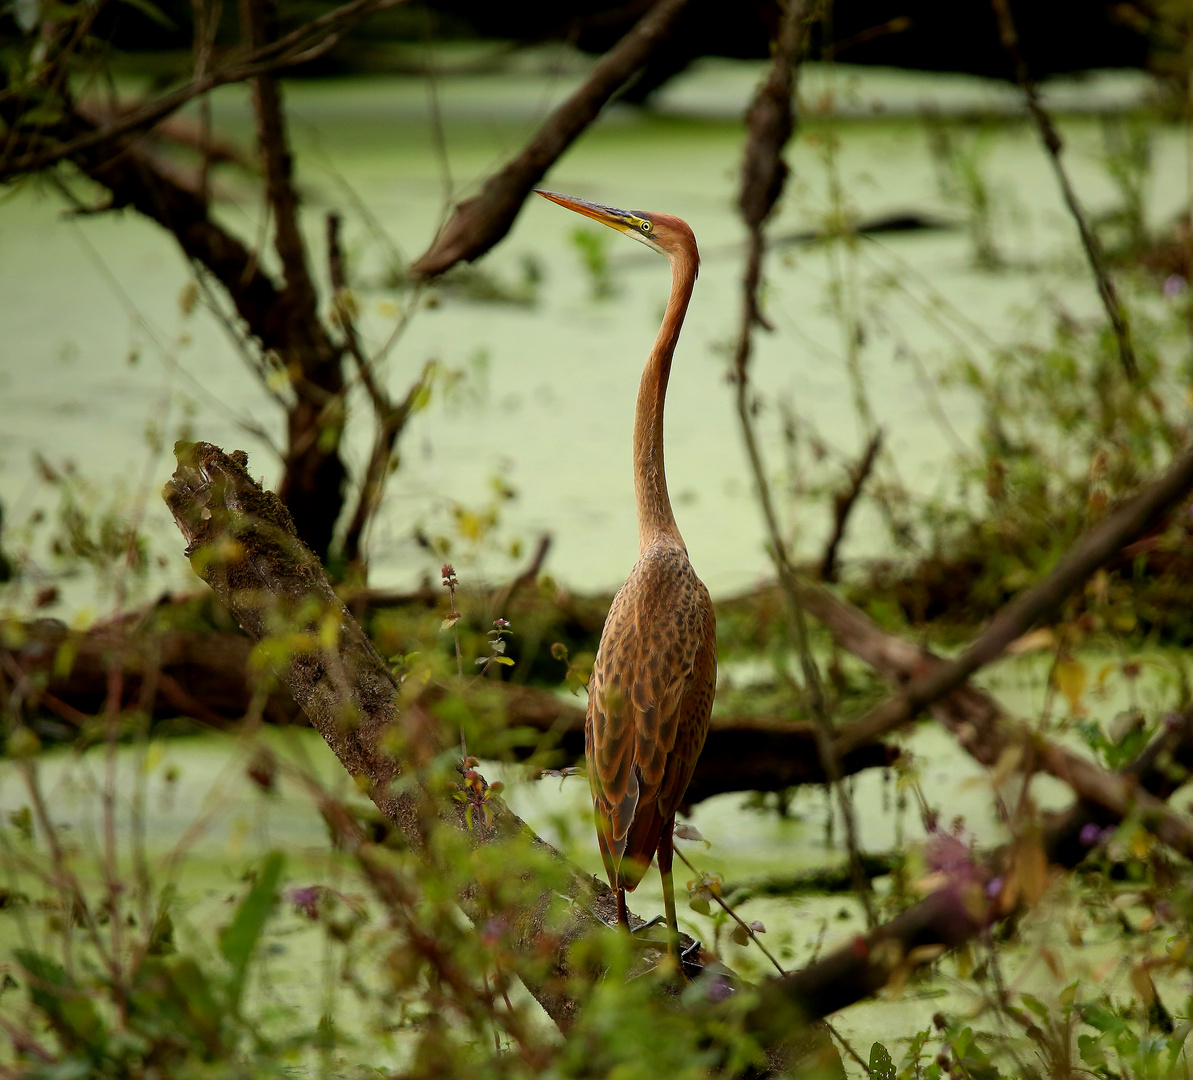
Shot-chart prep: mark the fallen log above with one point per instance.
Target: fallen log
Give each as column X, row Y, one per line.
column 205, row 675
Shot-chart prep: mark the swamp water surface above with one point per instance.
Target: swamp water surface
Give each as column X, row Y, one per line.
column 547, row 406
column 94, row 347
column 197, row 800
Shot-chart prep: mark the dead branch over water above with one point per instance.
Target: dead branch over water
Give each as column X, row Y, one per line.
column 1096, row 547
column 481, row 221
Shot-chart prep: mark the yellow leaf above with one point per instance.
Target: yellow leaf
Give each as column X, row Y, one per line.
column 153, row 757
column 1031, row 869
column 1033, row 641
column 469, row 525
column 1070, row 677
column 236, row 836
column 1142, row 982
column 329, row 630
column 1006, row 766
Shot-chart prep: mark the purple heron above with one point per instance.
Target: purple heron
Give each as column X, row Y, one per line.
column 652, row 685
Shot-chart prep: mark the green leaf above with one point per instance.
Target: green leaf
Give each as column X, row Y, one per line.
column 70, row 1012
column 191, row 986
column 239, row 938
column 1036, row 1005
column 881, row 1065
column 507, row 661
column 1091, row 1053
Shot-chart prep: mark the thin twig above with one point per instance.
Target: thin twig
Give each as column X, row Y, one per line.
column 390, row 419
column 750, row 931
column 764, row 172
column 844, row 502
column 1054, row 145
column 847, row 1047
column 306, row 43
column 529, row 576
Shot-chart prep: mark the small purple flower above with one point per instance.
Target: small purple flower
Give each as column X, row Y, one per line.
column 493, row 929
column 719, row 989
column 993, row 887
column 1174, row 285
column 305, row 900
column 1090, row 834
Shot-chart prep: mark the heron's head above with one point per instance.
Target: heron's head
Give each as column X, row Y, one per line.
column 665, row 233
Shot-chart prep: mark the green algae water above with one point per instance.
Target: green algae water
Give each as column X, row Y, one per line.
column 96, row 350
column 95, row 347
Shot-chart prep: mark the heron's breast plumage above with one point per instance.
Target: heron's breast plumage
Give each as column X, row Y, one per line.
column 650, row 698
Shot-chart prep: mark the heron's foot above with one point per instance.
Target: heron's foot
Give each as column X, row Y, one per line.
column 689, row 963
column 647, row 925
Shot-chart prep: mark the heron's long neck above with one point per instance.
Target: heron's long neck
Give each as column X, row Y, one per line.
column 655, row 520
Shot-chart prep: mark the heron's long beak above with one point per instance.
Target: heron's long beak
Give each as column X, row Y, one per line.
column 622, row 220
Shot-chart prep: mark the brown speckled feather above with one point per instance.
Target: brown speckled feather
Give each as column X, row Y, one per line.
column 649, row 703
column 652, row 685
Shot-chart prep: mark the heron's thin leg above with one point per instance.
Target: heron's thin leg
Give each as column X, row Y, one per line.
column 623, row 914
column 666, row 855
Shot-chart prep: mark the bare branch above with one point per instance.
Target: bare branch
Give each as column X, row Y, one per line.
column 844, row 502
column 1053, row 144
column 481, row 221
column 306, row 43
column 391, row 419
column 1097, row 546
column 527, row 577
column 770, row 122
column 204, row 675
column 260, row 17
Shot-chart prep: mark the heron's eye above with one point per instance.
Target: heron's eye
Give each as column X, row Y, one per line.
column 645, row 226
